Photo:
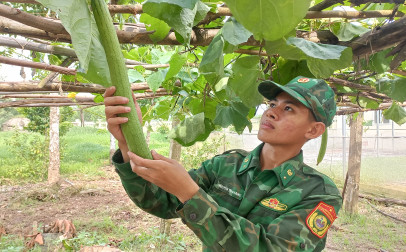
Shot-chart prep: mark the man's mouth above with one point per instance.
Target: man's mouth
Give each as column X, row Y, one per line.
column 267, row 125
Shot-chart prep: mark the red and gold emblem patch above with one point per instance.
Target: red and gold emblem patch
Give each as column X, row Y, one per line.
column 274, row 204
column 303, row 80
column 320, row 219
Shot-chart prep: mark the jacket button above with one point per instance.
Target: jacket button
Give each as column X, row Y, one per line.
column 302, row 246
column 192, row 216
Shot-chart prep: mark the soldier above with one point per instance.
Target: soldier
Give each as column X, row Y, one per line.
column 263, row 200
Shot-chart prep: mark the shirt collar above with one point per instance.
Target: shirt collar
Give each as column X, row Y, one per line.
column 286, row 171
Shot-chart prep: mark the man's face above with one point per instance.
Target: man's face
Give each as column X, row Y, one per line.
column 285, row 122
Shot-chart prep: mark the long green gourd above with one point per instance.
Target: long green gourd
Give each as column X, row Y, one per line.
column 323, row 147
column 132, row 130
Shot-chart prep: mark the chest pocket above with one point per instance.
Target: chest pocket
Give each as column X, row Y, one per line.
column 227, row 194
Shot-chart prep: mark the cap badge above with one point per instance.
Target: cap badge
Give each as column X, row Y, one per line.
column 303, row 80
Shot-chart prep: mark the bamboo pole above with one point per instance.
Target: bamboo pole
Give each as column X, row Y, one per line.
column 37, row 65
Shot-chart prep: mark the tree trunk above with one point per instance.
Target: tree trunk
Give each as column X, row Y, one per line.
column 54, row 161
column 354, row 165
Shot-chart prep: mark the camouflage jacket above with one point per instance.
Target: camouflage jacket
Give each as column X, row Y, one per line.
column 241, row 208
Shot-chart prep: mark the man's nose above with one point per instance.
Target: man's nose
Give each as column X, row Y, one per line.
column 273, row 112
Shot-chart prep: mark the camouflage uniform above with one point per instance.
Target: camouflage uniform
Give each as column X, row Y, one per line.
column 239, row 206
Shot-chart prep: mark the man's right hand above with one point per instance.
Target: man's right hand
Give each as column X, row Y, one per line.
column 113, row 107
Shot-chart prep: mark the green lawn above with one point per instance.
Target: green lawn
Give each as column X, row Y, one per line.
column 84, row 151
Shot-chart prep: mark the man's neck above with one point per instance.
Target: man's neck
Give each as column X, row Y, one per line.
column 274, row 156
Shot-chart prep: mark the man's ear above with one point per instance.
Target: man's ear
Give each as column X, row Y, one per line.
column 316, row 130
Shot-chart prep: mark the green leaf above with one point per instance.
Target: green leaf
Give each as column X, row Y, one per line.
column 175, row 64
column 212, row 65
column 269, row 19
column 180, row 14
column 244, row 81
column 134, row 75
column 316, row 50
column 79, row 23
column 378, row 62
column 347, row 31
column 163, row 109
column 365, row 102
column 394, row 88
column 208, row 106
column 155, row 80
column 322, row 59
column 98, row 98
column 324, row 68
column 192, row 129
column 235, row 114
column 201, row 12
column 160, row 28
column 395, row 113
column 289, row 69
column 234, row 33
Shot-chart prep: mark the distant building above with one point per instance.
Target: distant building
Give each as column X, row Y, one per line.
column 17, row 123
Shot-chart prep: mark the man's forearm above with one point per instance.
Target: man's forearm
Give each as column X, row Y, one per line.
column 124, row 150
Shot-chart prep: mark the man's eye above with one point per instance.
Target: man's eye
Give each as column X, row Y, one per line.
column 272, row 105
column 287, row 108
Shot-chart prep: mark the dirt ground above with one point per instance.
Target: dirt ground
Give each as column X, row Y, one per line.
column 83, row 201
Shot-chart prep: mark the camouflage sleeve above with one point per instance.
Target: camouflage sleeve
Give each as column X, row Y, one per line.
column 144, row 194
column 221, row 230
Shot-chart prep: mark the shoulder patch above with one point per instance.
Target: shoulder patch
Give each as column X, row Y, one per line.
column 320, row 219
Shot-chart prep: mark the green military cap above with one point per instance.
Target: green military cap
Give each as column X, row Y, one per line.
column 315, row 94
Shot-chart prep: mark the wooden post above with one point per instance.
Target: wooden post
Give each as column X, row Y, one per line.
column 82, row 118
column 54, row 160
column 112, row 147
column 354, row 164
column 174, row 153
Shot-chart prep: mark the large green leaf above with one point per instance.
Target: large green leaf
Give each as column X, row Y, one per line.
column 160, row 28
column 289, row 69
column 269, row 19
column 181, row 15
column 347, row 31
column 324, row 68
column 79, row 23
column 322, row 59
column 234, row 33
column 192, row 129
column 244, row 81
column 394, row 88
column 175, row 64
column 235, row 114
column 395, row 113
column 212, row 65
column 316, row 50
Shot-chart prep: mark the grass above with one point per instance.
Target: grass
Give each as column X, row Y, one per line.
column 367, row 231
column 84, row 150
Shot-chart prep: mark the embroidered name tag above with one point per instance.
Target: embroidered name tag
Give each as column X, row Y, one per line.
column 320, row 219
column 273, row 204
column 230, row 191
